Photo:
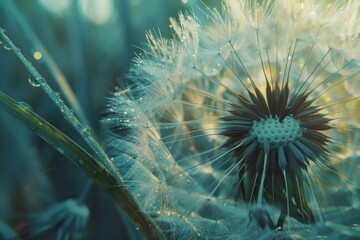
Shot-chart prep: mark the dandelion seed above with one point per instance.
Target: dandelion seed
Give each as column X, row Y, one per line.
column 253, row 106
column 68, row 219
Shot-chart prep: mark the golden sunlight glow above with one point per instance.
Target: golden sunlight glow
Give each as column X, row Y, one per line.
column 37, row 55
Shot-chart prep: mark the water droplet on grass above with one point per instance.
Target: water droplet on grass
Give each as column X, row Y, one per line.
column 81, row 162
column 26, row 105
column 86, row 128
column 60, row 149
column 7, row 48
column 33, row 82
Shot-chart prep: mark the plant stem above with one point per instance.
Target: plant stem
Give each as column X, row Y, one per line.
column 110, row 179
column 85, row 191
column 49, row 61
column 69, row 116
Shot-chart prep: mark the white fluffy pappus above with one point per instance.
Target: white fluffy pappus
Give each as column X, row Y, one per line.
column 245, row 122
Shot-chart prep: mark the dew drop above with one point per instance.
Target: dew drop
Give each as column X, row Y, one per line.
column 26, row 105
column 60, row 150
column 137, row 228
column 7, row 48
column 81, row 162
column 33, row 82
column 86, row 128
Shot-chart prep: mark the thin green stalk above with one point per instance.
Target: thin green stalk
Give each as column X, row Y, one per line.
column 48, row 60
column 85, row 191
column 69, row 116
column 84, row 160
column 113, row 182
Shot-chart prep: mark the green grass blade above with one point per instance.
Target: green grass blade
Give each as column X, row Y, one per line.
column 82, row 159
column 48, row 132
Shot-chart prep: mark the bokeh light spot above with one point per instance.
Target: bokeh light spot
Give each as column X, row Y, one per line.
column 37, row 55
column 98, row 12
column 55, row 6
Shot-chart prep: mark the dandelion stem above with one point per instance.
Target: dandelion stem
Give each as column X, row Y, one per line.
column 85, row 191
column 114, row 186
column 261, row 189
column 287, row 197
column 321, row 220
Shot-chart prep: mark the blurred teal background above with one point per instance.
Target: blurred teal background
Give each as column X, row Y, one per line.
column 92, row 42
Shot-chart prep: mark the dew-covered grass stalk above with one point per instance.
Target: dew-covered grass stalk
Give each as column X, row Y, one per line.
column 112, row 182
column 69, row 116
column 49, row 61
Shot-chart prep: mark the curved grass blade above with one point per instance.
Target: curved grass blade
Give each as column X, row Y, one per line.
column 84, row 160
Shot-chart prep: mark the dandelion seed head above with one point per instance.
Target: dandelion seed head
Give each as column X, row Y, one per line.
column 235, row 122
column 68, row 219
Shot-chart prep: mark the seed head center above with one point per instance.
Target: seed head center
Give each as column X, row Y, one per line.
column 276, row 133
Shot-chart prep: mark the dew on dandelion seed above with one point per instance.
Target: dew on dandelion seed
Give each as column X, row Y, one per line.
column 259, row 129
